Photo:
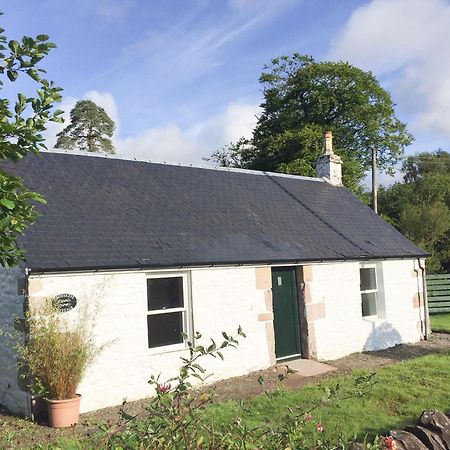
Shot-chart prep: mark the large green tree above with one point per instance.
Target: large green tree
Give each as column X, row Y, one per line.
column 420, row 206
column 302, row 99
column 21, row 126
column 90, row 129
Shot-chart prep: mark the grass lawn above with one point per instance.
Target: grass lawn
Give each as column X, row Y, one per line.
column 440, row 323
column 402, row 391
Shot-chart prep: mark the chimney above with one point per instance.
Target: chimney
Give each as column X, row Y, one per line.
column 328, row 165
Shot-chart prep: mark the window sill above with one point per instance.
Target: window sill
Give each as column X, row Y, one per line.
column 167, row 349
column 373, row 319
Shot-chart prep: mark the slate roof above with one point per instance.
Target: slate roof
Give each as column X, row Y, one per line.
column 114, row 213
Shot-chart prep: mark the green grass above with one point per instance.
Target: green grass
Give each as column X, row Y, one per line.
column 401, row 393
column 440, row 323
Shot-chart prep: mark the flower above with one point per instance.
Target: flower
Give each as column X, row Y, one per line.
column 164, row 388
column 308, row 417
column 390, row 443
column 319, row 428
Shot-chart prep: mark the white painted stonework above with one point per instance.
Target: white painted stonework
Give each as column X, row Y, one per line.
column 329, row 167
column 222, row 299
column 11, row 307
column 344, row 330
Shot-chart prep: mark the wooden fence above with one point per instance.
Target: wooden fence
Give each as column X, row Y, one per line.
column 438, row 289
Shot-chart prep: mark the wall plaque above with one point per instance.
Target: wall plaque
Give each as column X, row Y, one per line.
column 64, row 302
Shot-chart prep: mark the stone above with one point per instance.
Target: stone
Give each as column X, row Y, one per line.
column 430, row 438
column 407, row 441
column 436, row 420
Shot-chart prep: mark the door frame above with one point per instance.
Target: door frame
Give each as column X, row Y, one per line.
column 296, row 306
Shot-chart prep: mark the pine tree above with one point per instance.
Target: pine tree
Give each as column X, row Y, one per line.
column 90, row 129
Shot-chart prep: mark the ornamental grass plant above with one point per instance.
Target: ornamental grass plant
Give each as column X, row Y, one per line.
column 56, row 351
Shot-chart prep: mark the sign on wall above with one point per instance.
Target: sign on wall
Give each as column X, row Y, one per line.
column 64, row 302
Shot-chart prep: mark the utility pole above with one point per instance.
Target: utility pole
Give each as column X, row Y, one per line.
column 374, row 181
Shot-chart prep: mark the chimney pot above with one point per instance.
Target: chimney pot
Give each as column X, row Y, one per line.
column 328, row 143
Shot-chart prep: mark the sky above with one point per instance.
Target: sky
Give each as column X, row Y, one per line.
column 180, row 77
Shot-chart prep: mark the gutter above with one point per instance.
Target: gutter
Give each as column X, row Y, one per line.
column 144, row 264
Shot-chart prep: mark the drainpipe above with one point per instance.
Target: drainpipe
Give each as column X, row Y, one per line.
column 30, row 397
column 426, row 334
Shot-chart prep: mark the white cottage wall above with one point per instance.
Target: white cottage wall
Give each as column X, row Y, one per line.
column 221, row 299
column 11, row 308
column 340, row 328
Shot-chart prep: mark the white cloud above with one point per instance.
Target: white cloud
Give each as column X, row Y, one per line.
column 408, row 43
column 106, row 9
column 111, row 9
column 238, row 120
column 166, row 143
column 106, row 101
column 172, row 144
column 195, row 43
column 169, row 142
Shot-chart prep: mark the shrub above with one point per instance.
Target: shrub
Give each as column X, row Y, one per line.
column 175, row 419
column 56, row 351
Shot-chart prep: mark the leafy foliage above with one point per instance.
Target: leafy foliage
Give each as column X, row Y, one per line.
column 303, row 99
column 21, row 128
column 90, row 129
column 175, row 417
column 420, row 206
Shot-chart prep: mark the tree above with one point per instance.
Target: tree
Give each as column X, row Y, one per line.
column 21, row 128
column 420, row 206
column 302, row 99
column 90, row 129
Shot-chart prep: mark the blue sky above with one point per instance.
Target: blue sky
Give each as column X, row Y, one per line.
column 181, row 77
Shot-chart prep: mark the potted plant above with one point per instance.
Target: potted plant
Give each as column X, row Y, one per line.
column 56, row 353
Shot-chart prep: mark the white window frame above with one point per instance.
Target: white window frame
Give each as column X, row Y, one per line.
column 370, row 291
column 186, row 310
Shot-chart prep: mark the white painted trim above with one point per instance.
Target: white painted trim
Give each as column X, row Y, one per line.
column 186, row 309
column 377, row 291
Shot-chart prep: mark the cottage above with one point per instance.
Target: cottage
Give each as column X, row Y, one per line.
column 300, row 263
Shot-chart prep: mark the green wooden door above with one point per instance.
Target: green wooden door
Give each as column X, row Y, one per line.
column 285, row 310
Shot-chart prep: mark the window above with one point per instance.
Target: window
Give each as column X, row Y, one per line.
column 166, row 310
column 369, row 290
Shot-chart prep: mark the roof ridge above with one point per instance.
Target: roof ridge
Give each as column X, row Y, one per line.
column 218, row 168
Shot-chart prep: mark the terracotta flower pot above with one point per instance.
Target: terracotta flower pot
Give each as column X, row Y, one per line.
column 63, row 413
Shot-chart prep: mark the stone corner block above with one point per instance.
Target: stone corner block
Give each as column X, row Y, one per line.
column 315, row 311
column 265, row 317
column 263, row 276
column 307, row 273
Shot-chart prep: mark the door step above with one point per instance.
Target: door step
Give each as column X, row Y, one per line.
column 309, row 367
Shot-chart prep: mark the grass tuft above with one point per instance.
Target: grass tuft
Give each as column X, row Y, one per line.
column 440, row 323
